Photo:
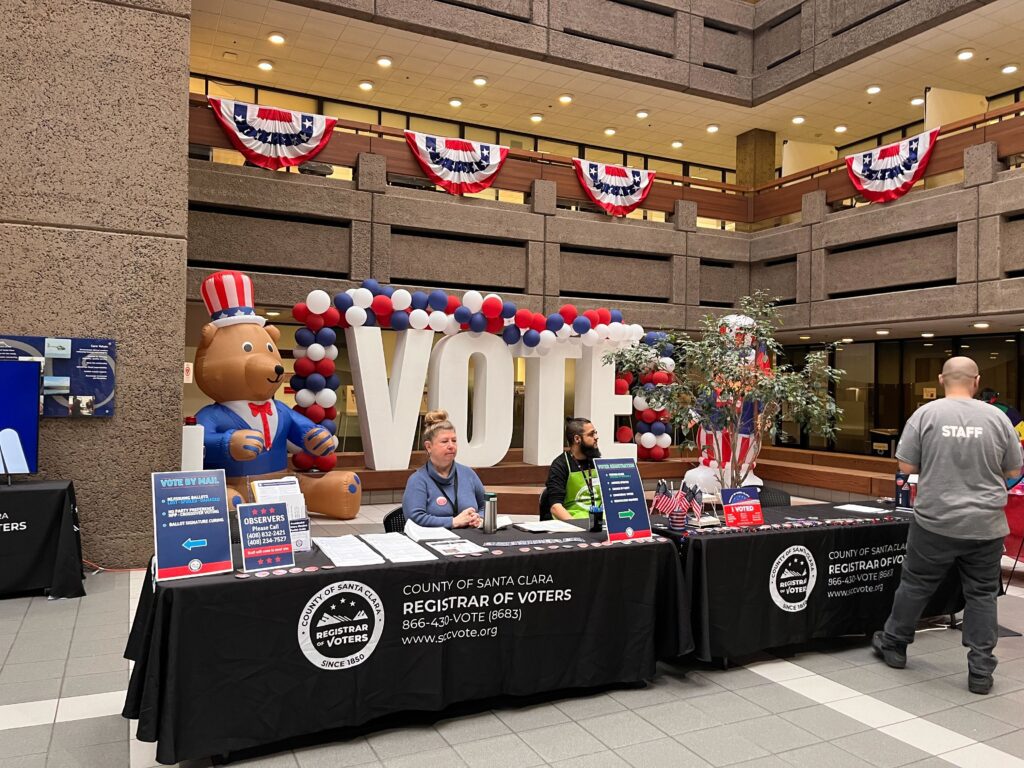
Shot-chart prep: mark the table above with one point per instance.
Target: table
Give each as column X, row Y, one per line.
column 224, row 664
column 40, row 544
column 754, row 590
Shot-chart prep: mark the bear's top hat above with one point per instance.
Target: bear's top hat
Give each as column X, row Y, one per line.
column 229, row 298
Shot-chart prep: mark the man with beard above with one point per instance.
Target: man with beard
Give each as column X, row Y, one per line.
column 572, row 490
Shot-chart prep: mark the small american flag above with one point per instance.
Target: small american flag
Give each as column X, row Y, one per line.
column 663, row 501
column 697, row 502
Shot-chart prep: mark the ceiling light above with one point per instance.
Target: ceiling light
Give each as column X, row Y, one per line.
column 384, row 61
column 805, row 338
column 873, row 89
column 565, row 98
column 609, row 131
column 536, row 117
column 927, row 335
column 265, row 65
column 455, row 102
column 712, row 128
column 929, row 344
column 840, row 129
column 965, row 346
column 1021, row 330
column 480, row 81
column 677, row 144
column 979, row 325
column 1010, row 341
column 642, row 114
column 276, row 38
column 917, row 101
column 847, row 341
column 1009, row 69
column 273, row 313
column 965, row 54
column 799, row 120
column 366, row 85
column 881, row 332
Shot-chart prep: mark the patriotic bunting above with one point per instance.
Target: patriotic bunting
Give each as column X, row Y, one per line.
column 456, row 165
column 615, row 188
column 269, row 137
column 887, row 173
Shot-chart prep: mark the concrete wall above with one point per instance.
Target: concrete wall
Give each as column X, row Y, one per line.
column 93, row 239
column 731, row 50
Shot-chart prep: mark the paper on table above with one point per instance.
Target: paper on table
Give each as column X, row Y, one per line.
column 548, row 526
column 418, row 532
column 862, row 508
column 397, row 547
column 502, row 521
column 347, row 550
column 456, row 547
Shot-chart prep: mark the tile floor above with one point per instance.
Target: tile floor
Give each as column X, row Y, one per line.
column 62, row 683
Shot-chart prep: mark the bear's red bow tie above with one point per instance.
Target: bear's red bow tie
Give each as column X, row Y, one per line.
column 263, row 410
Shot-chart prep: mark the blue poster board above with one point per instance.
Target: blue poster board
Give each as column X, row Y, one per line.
column 78, row 374
column 622, row 495
column 266, row 536
column 19, row 417
column 190, row 524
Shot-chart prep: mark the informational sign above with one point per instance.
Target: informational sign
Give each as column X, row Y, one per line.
column 19, row 417
column 622, row 494
column 286, row 490
column 266, row 537
column 78, row 374
column 190, row 524
column 742, row 507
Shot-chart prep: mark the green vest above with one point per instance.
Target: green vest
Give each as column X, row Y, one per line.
column 580, row 495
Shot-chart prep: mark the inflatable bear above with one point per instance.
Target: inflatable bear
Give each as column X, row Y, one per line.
column 247, row 432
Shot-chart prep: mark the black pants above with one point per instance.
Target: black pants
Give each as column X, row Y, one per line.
column 928, row 559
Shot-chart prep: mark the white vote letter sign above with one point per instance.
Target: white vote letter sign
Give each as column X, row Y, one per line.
column 544, row 427
column 596, row 399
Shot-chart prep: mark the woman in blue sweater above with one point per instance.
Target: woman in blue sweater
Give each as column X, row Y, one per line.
column 443, row 493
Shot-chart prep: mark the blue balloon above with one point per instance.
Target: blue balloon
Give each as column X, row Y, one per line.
column 508, row 309
column 531, row 338
column 649, row 338
column 648, row 387
column 371, row 318
column 297, row 383
column 333, row 382
column 462, row 314
column 658, row 428
column 387, row 290
column 478, row 322
column 554, row 322
column 641, row 426
column 330, row 425
column 325, row 336
column 315, row 382
column 371, row 285
column 510, row 334
column 667, row 350
column 400, row 320
column 342, row 301
column 419, row 300
column 581, row 325
column 305, row 337
column 616, row 316
column 437, row 300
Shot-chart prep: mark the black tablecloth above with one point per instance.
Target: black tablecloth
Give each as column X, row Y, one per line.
column 40, row 546
column 753, row 590
column 224, row 664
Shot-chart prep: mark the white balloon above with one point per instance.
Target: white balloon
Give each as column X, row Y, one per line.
column 472, row 300
column 401, row 299
column 355, row 316
column 648, row 440
column 542, row 351
column 418, row 319
column 437, row 321
column 331, row 352
column 639, row 403
column 663, row 440
column 667, row 364
column 637, row 436
column 335, row 441
column 452, row 327
column 564, row 332
column 601, row 330
column 315, row 352
column 590, row 338
column 299, row 352
column 326, row 397
column 616, row 332
column 638, row 332
column 362, row 297
column 351, row 291
column 547, row 339
column 305, row 397
column 318, row 302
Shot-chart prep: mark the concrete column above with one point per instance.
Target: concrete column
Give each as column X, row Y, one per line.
column 96, row 237
column 755, row 157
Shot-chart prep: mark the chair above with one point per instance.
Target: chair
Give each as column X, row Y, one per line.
column 394, row 521
column 774, row 497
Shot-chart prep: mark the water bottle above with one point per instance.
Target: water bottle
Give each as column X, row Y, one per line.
column 596, row 519
column 490, row 513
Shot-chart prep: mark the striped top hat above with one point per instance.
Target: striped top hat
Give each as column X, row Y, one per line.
column 228, row 296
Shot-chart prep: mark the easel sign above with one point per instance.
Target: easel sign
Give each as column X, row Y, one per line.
column 266, row 536
column 622, row 495
column 190, row 524
column 742, row 507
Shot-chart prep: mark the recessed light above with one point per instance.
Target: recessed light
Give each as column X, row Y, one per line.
column 881, row 332
column 840, row 129
column 712, row 128
column 276, row 38
column 565, row 98
column 1021, row 330
column 384, row 61
column 455, row 102
column 917, row 101
column 965, row 54
column 805, row 338
column 366, row 85
column 641, row 114
column 609, row 131
column 979, row 325
column 273, row 313
column 1010, row 341
column 928, row 344
column 927, row 335
column 1009, row 69
column 677, row 144
column 873, row 89
column 847, row 341
column 965, row 346
column 480, row 81
column 265, row 65
column 536, row 117
column 799, row 120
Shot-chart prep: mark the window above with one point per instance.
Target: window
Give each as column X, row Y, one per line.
column 269, row 98
column 486, row 135
column 603, row 156
column 855, row 395
column 516, row 140
column 228, row 91
column 435, row 127
column 560, row 148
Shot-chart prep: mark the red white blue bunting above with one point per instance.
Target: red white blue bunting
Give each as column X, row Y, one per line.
column 269, row 137
column 615, row 188
column 456, row 165
column 887, row 173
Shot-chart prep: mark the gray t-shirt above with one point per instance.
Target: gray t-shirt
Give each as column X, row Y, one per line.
column 963, row 448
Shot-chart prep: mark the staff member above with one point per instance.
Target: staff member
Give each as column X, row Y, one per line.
column 572, row 489
column 443, row 493
column 962, row 450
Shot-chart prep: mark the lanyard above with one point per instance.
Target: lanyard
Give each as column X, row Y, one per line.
column 455, row 471
column 586, row 478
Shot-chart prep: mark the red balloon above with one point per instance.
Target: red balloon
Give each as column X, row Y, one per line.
column 592, row 316
column 491, row 307
column 646, row 378
column 658, row 453
column 568, row 312
column 315, row 413
column 621, row 387
column 304, row 366
column 326, row 463
column 649, row 416
column 627, row 376
column 661, row 377
column 315, row 322
column 453, row 304
column 661, row 415
column 332, row 317
column 324, row 367
column 384, row 321
column 495, row 324
column 523, row 318
column 300, row 311
column 299, row 409
column 539, row 322
column 303, row 461
column 644, row 454
column 604, row 315
column 624, row 435
column 381, row 305
column 330, row 413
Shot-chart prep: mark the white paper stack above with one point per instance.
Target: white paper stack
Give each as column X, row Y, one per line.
column 347, row 550
column 418, row 532
column 397, row 547
column 548, row 526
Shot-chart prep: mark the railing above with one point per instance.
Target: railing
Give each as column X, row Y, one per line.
column 714, row 200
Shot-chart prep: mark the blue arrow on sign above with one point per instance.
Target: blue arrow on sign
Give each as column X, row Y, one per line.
column 191, row 543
